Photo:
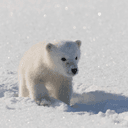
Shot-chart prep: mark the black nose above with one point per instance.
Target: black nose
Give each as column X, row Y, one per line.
column 74, row 70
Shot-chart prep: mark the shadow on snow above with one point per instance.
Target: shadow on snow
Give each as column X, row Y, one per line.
column 99, row 101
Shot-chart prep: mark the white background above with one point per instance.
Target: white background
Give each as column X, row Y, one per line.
column 100, row 93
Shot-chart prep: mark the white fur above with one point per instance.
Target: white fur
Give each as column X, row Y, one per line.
column 42, row 74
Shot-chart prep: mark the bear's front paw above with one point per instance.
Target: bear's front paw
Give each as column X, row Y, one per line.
column 45, row 102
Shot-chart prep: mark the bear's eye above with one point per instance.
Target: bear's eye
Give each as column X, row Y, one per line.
column 63, row 59
column 76, row 58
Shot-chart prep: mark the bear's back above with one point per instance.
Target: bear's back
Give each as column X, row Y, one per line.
column 33, row 56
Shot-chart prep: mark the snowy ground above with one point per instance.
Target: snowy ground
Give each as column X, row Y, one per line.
column 101, row 87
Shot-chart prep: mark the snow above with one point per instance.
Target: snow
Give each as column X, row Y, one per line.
column 100, row 97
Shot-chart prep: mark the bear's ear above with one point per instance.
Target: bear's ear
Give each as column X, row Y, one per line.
column 49, row 47
column 78, row 43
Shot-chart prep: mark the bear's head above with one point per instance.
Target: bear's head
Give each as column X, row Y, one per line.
column 64, row 57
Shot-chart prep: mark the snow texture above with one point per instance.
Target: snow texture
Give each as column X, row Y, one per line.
column 100, row 98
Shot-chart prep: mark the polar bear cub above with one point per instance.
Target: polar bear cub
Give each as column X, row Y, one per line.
column 46, row 71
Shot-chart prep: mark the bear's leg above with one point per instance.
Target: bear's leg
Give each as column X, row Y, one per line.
column 42, row 94
column 23, row 91
column 64, row 94
column 39, row 93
